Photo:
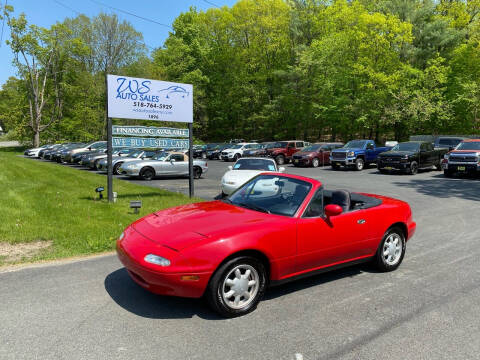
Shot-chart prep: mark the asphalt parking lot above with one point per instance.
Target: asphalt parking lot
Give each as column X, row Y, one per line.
column 427, row 309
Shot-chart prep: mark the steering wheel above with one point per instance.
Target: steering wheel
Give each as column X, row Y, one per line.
column 287, row 196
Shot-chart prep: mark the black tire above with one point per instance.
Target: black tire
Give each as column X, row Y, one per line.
column 359, row 164
column 447, row 173
column 413, row 168
column 381, row 260
column 95, row 164
column 438, row 166
column 216, row 287
column 197, row 172
column 116, row 168
column 236, row 157
column 280, row 160
column 315, row 162
column 147, row 174
column 383, row 171
column 335, row 166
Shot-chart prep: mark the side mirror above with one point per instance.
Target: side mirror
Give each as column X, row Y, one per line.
column 230, row 167
column 89, row 148
column 172, row 160
column 332, row 210
column 281, row 169
column 450, row 148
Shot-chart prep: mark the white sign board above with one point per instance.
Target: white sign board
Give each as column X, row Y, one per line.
column 144, row 99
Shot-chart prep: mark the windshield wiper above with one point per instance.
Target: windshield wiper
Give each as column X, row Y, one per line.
column 254, row 207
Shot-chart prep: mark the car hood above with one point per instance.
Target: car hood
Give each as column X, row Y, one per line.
column 396, row 153
column 463, row 152
column 305, row 153
column 166, row 227
column 241, row 176
column 346, row 149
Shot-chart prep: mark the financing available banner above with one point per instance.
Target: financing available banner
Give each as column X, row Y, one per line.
column 145, row 99
column 149, row 131
column 124, row 142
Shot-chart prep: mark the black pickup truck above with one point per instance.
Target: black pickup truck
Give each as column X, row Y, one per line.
column 411, row 156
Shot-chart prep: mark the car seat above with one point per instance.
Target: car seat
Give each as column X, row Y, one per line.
column 342, row 198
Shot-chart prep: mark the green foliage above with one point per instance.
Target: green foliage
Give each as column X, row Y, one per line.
column 276, row 69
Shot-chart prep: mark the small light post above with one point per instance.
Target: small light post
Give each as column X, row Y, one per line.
column 137, row 204
column 99, row 190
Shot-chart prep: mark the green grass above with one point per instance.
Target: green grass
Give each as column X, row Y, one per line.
column 50, row 202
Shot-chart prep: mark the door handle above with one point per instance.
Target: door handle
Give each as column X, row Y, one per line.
column 361, row 221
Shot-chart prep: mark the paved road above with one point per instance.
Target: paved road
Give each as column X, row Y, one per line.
column 9, row 143
column 428, row 309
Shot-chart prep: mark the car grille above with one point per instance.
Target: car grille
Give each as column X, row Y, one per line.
column 339, row 155
column 463, row 158
column 224, row 153
column 297, row 157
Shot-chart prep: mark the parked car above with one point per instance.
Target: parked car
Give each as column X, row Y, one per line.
column 164, row 164
column 92, row 159
column 201, row 151
column 465, row 158
column 34, row 152
column 62, row 150
column 283, row 151
column 356, row 154
column 447, row 142
column 92, row 146
column 216, row 152
column 245, row 169
column 411, row 156
column 315, row 155
column 118, row 161
column 291, row 226
column 42, row 153
column 235, row 152
column 258, row 151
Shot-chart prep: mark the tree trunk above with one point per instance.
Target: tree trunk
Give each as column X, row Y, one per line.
column 36, row 139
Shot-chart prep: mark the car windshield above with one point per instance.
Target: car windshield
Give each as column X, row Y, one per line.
column 280, row 144
column 236, row 147
column 136, row 154
column 97, row 145
column 211, row 146
column 271, row 194
column 160, row 156
column 469, row 145
column 255, row 164
column 448, row 142
column 270, row 146
column 126, row 151
column 355, row 144
column 312, row 148
column 407, row 146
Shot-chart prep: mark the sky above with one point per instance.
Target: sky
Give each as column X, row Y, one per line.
column 47, row 12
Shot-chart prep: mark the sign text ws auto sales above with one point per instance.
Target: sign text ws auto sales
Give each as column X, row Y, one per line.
column 144, row 99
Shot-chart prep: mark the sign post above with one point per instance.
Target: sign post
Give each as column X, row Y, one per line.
column 145, row 99
column 190, row 160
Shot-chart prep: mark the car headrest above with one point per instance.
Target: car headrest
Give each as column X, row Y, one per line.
column 342, row 199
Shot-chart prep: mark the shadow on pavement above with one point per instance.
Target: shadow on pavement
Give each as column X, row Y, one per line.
column 133, row 298
column 442, row 187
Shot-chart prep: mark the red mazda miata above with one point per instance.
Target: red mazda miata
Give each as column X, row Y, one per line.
column 274, row 228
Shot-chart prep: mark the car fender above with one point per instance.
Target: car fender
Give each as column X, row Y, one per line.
column 251, row 238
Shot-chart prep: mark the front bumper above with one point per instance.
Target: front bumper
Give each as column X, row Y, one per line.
column 227, row 157
column 393, row 165
column 302, row 162
column 461, row 167
column 160, row 282
column 345, row 162
column 229, row 189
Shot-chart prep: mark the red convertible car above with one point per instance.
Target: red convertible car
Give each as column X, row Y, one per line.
column 275, row 228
